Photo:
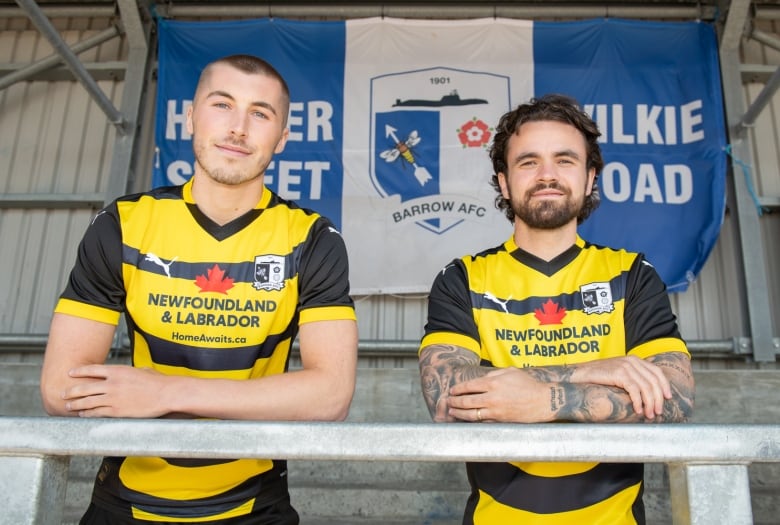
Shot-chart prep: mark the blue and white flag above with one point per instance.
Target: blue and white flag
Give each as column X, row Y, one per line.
column 391, row 120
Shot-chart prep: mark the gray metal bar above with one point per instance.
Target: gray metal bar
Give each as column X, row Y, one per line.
column 109, row 70
column 47, row 29
column 376, row 348
column 436, row 11
column 673, row 443
column 708, row 494
column 28, row 72
column 51, row 200
column 755, row 288
column 32, row 489
column 765, row 38
column 63, row 11
column 736, row 21
column 760, row 102
column 771, row 203
column 766, row 94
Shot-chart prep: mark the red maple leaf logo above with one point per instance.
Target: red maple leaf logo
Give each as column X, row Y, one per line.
column 216, row 281
column 550, row 313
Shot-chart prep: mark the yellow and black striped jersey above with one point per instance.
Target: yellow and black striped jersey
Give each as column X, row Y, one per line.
column 211, row 301
column 515, row 310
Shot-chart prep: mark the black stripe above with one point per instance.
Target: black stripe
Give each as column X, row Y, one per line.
column 267, row 487
column 570, row 301
column 208, row 359
column 196, row 462
column 240, row 272
column 515, row 488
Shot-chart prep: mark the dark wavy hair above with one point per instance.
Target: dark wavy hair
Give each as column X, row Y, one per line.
column 553, row 107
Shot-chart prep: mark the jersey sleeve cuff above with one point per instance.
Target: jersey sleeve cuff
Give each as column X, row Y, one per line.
column 328, row 313
column 660, row 346
column 87, row 311
column 449, row 338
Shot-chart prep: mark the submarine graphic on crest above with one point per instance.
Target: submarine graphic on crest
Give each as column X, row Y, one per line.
column 453, row 99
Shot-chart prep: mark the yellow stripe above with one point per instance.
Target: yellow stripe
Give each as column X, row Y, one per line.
column 241, row 510
column 449, row 338
column 659, row 346
column 328, row 313
column 157, row 477
column 87, row 311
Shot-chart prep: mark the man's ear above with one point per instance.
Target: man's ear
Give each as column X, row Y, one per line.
column 189, row 119
column 591, row 179
column 282, row 141
column 502, row 183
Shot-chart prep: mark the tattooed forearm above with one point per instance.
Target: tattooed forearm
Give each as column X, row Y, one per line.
column 594, row 403
column 602, row 403
column 677, row 367
column 442, row 366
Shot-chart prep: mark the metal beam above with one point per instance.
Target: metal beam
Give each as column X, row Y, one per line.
column 51, row 201
column 736, row 21
column 736, row 348
column 755, row 287
column 765, row 38
column 110, row 70
column 760, row 102
column 519, row 10
column 50, row 33
column 766, row 94
column 133, row 92
column 28, row 72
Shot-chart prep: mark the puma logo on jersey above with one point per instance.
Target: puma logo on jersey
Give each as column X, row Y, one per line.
column 159, row 262
column 490, row 297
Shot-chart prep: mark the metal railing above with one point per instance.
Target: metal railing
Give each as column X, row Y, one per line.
column 707, row 462
column 734, row 348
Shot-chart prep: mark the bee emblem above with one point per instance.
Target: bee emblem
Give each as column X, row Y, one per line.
column 403, row 149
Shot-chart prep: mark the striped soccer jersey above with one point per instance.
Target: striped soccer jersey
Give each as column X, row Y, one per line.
column 208, row 301
column 516, row 310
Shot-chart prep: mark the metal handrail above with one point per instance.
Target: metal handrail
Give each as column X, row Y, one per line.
column 707, row 462
column 735, row 348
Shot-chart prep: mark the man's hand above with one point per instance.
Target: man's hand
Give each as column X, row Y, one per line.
column 115, row 391
column 644, row 381
column 620, row 389
column 504, row 395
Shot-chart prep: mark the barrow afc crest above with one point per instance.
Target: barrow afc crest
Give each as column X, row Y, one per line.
column 430, row 132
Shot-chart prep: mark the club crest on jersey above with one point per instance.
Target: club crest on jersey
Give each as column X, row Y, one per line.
column 596, row 298
column 269, row 272
column 428, row 128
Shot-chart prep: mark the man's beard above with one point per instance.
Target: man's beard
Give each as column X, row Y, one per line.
column 223, row 172
column 229, row 177
column 546, row 214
